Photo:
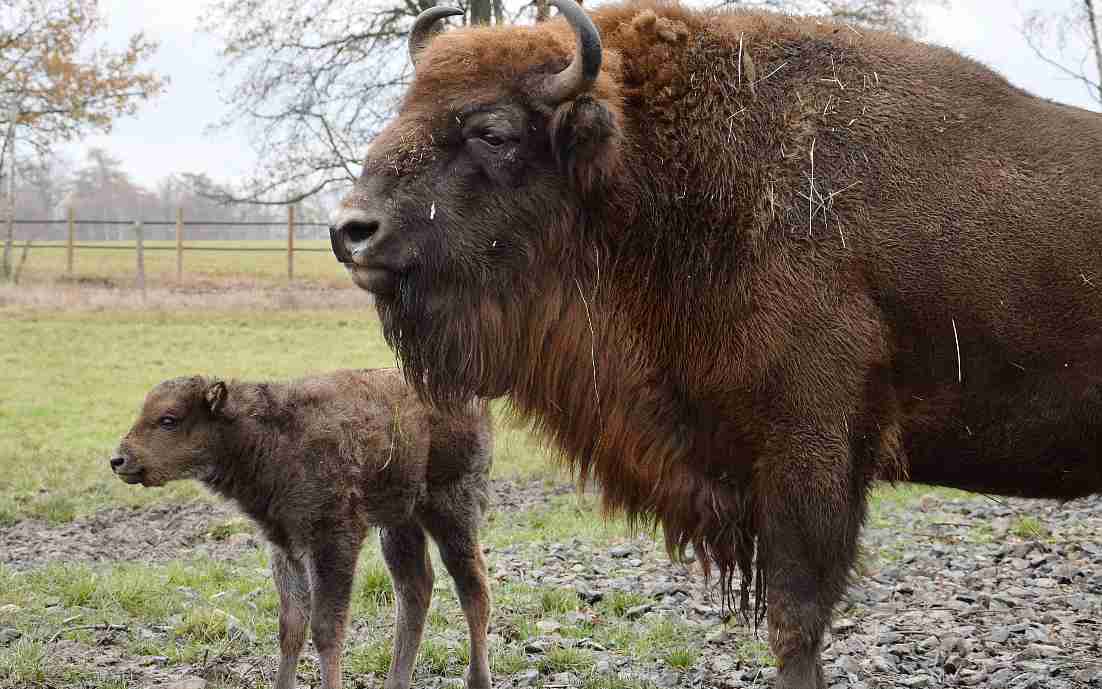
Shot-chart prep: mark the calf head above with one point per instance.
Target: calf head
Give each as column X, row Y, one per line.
column 176, row 435
column 479, row 185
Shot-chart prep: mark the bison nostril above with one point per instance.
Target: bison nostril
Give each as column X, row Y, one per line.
column 359, row 231
column 117, row 462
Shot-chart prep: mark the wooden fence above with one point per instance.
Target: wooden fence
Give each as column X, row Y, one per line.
column 139, row 228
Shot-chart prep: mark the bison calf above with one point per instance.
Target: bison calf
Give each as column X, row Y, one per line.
column 316, row 463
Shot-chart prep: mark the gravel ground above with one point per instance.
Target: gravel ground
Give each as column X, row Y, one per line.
column 952, row 592
column 948, row 597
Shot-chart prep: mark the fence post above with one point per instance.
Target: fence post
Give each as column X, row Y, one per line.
column 69, row 242
column 179, row 244
column 140, row 245
column 290, row 243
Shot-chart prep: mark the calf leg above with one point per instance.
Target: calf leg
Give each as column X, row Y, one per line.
column 453, row 523
column 290, row 579
column 332, row 570
column 407, row 558
column 813, row 503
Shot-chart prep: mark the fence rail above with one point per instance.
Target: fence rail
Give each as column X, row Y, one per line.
column 180, row 247
column 220, row 249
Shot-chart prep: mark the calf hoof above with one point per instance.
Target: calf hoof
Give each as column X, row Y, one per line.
column 477, row 680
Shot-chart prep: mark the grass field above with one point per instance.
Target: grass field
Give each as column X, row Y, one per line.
column 73, row 381
column 210, row 261
column 70, row 383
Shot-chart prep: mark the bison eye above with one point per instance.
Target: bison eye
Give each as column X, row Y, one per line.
column 167, row 422
column 492, row 139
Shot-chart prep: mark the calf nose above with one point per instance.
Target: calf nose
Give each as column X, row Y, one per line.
column 352, row 234
column 117, row 461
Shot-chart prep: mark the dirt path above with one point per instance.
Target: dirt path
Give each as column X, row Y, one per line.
column 153, row 534
column 174, row 531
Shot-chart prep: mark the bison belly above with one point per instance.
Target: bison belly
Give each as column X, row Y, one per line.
column 1037, row 436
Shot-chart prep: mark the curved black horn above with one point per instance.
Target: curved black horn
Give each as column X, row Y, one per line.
column 582, row 71
column 423, row 28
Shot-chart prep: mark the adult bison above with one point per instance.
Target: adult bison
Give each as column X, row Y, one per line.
column 740, row 266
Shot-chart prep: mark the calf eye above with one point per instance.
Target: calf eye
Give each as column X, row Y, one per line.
column 492, row 139
column 167, row 422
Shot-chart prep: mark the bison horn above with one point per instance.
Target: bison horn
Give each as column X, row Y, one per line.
column 582, row 71
column 424, row 27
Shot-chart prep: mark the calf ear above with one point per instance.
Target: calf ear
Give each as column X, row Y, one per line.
column 216, row 397
column 585, row 139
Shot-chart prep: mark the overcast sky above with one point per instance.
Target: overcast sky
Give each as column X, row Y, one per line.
column 171, row 134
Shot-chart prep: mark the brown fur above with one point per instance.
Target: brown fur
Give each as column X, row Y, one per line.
column 731, row 281
column 316, row 463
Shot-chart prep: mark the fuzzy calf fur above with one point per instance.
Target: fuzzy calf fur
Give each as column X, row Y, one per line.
column 316, row 463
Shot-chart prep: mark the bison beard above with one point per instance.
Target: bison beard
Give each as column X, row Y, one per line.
column 455, row 343
column 440, row 353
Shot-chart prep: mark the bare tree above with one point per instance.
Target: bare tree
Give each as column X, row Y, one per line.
column 543, row 10
column 901, row 16
column 317, row 79
column 480, row 11
column 1096, row 42
column 314, row 79
column 43, row 184
column 1067, row 38
column 56, row 86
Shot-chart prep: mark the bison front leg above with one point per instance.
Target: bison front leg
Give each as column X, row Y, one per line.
column 813, row 504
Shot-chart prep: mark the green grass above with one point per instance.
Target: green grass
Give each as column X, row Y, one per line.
column 573, row 660
column 368, row 658
column 26, row 661
column 200, row 606
column 205, row 625
column 682, row 658
column 507, row 660
column 59, row 420
column 614, row 682
column 1029, row 528
column 46, row 262
column 554, row 601
column 618, row 603
column 224, row 530
column 374, row 591
column 755, row 652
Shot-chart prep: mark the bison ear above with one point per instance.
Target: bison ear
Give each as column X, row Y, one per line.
column 216, row 397
column 585, row 139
